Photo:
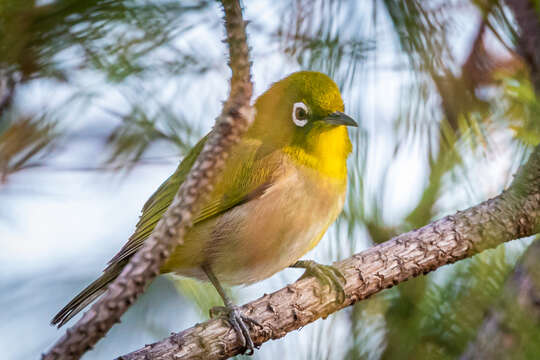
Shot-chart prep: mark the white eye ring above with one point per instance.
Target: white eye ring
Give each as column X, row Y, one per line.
column 297, row 109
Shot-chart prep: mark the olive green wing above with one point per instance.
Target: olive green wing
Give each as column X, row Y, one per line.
column 240, row 182
column 155, row 206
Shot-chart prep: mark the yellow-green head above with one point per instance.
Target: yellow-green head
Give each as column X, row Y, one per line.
column 303, row 116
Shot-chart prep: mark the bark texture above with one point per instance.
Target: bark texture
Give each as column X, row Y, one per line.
column 143, row 267
column 513, row 214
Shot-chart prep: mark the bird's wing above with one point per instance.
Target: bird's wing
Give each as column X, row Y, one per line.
column 243, row 179
column 246, row 176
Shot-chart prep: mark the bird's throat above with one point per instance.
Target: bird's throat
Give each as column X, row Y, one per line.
column 325, row 152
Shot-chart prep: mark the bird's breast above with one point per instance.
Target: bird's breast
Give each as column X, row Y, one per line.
column 265, row 235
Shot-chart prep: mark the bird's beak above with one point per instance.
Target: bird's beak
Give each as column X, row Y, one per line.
column 339, row 118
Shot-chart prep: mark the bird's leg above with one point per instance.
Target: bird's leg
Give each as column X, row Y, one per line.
column 326, row 274
column 232, row 312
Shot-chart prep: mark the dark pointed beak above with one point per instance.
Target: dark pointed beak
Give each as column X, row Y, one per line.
column 339, row 118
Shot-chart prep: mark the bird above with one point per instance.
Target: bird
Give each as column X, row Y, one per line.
column 282, row 186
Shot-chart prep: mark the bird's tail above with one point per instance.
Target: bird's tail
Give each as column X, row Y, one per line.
column 85, row 297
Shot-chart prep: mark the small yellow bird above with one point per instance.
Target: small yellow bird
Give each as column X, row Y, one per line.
column 282, row 186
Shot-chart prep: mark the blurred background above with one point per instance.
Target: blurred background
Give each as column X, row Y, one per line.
column 100, row 100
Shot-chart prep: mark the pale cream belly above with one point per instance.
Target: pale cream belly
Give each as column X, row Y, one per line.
column 263, row 236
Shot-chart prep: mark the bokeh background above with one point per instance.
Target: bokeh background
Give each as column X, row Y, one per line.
column 100, row 99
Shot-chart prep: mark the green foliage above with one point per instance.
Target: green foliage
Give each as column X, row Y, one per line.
column 308, row 33
column 25, row 142
column 137, row 132
column 115, row 41
column 115, row 37
column 523, row 110
column 453, row 312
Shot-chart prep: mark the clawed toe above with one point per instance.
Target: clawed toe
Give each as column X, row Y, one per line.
column 326, row 274
column 238, row 322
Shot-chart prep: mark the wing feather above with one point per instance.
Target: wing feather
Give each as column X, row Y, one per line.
column 242, row 181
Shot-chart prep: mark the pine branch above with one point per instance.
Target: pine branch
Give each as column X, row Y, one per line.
column 143, row 267
column 514, row 214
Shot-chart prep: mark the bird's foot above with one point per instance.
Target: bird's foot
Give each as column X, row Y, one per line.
column 238, row 321
column 326, row 274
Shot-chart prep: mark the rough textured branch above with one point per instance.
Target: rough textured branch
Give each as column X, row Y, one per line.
column 513, row 214
column 144, row 266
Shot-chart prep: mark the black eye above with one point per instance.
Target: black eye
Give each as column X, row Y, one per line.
column 301, row 114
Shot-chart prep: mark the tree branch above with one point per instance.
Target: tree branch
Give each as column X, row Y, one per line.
column 143, row 267
column 515, row 213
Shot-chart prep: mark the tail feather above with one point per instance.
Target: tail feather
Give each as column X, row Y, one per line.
column 85, row 297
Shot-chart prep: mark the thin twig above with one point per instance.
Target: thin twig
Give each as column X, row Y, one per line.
column 143, row 267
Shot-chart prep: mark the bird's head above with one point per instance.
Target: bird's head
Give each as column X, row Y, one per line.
column 304, row 111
